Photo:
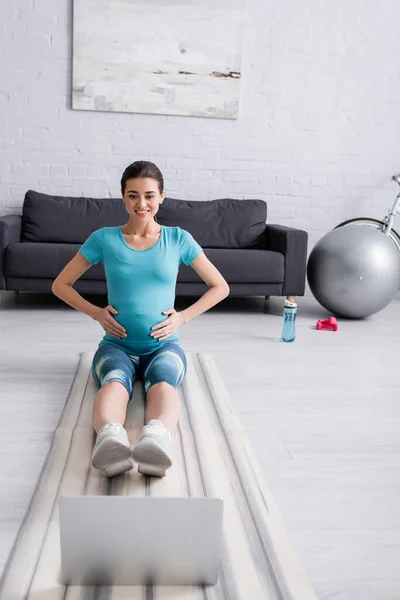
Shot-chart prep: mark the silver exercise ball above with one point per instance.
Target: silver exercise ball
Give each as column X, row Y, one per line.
column 354, row 271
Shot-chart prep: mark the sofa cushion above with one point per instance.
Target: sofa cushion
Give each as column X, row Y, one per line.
column 47, row 260
column 221, row 223
column 64, row 219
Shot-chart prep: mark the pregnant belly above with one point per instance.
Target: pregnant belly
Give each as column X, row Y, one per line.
column 138, row 324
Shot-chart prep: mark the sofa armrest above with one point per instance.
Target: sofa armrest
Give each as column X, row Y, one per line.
column 10, row 233
column 292, row 243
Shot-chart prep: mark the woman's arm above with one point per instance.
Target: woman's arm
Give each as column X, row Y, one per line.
column 219, row 288
column 62, row 286
column 210, row 298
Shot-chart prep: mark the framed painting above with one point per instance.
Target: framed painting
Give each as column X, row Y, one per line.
column 172, row 57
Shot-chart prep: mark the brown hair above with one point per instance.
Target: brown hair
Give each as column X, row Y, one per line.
column 142, row 169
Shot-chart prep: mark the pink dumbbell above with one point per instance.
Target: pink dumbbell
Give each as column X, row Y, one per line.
column 330, row 323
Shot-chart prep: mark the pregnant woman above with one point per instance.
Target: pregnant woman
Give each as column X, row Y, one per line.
column 141, row 261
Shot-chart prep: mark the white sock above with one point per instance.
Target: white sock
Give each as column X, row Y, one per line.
column 160, row 424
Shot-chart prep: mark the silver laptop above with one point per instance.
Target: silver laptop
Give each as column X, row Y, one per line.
column 124, row 540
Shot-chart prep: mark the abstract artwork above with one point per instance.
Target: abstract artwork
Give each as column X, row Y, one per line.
column 175, row 57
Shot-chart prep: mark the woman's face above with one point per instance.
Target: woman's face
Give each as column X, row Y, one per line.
column 142, row 195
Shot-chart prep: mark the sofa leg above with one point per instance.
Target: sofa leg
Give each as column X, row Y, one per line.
column 291, row 298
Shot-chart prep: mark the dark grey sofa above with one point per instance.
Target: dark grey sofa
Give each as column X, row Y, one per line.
column 256, row 258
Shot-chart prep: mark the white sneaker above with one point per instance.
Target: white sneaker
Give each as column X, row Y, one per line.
column 152, row 450
column 111, row 452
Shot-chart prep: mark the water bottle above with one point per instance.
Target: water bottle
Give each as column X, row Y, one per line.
column 289, row 321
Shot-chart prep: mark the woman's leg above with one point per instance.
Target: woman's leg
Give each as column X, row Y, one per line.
column 163, row 404
column 164, row 372
column 110, row 405
column 114, row 374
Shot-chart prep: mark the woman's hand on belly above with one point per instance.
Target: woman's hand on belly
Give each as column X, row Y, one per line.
column 165, row 329
column 107, row 317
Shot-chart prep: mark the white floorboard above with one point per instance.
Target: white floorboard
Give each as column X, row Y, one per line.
column 322, row 415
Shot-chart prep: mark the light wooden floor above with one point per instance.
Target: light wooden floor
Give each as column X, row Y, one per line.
column 322, row 414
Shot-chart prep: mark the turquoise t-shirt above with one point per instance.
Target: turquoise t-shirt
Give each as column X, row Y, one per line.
column 140, row 283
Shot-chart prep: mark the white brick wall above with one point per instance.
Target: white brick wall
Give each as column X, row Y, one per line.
column 318, row 137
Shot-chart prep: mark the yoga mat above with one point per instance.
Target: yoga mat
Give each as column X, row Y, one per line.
column 211, row 457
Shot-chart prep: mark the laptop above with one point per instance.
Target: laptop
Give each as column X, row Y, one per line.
column 125, row 540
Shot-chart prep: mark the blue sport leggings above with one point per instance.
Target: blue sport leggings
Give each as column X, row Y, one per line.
column 168, row 363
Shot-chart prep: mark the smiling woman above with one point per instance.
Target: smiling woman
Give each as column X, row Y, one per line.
column 141, row 261
column 142, row 188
